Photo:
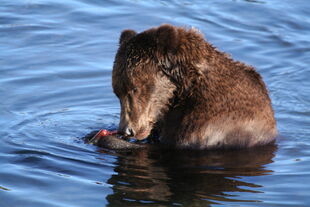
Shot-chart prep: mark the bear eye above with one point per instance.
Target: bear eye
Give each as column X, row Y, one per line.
column 134, row 90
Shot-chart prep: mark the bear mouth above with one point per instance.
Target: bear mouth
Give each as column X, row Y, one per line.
column 140, row 135
column 143, row 135
column 144, row 132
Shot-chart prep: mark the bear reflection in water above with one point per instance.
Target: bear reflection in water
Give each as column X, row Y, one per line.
column 154, row 177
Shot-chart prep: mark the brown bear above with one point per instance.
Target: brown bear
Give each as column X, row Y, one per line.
column 171, row 80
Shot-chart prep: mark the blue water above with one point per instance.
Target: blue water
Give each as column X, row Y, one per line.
column 55, row 88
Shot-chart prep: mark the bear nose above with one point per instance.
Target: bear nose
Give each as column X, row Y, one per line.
column 129, row 132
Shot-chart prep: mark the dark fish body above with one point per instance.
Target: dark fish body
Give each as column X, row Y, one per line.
column 115, row 143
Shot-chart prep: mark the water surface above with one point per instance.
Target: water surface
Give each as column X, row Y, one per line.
column 55, row 87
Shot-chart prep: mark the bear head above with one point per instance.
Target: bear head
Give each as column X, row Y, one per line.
column 152, row 69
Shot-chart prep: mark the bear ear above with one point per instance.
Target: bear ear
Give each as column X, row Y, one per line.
column 126, row 35
column 167, row 38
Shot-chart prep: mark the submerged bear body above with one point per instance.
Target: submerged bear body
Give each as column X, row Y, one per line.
column 172, row 81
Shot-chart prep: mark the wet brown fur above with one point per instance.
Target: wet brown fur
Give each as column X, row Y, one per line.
column 196, row 96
